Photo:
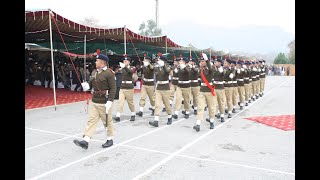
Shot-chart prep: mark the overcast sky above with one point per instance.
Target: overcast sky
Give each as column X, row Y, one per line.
column 223, row 13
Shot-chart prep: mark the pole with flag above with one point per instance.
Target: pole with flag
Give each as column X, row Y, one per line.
column 52, row 62
column 125, row 40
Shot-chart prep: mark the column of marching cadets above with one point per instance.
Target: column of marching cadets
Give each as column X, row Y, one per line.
column 193, row 86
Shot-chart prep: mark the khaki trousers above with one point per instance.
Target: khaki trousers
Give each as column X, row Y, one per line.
column 253, row 92
column 162, row 96
column 194, row 95
column 258, row 87
column 247, row 91
column 229, row 94
column 235, row 96
column 126, row 94
column 98, row 111
column 262, row 82
column 185, row 93
column 221, row 99
column 173, row 89
column 206, row 98
column 241, row 93
column 147, row 90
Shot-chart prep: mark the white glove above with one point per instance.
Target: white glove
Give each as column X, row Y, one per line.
column 262, row 63
column 263, row 69
column 244, row 66
column 161, row 63
column 190, row 66
column 242, row 69
column 85, row 86
column 108, row 105
column 231, row 75
column 220, row 69
column 259, row 70
column 254, row 69
column 211, row 63
column 182, row 66
column 121, row 64
column 238, row 71
column 175, row 70
column 145, row 63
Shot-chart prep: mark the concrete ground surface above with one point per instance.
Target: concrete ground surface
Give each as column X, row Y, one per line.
column 236, row 149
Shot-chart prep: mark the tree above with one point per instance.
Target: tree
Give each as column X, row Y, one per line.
column 292, row 55
column 92, row 22
column 150, row 29
column 281, row 59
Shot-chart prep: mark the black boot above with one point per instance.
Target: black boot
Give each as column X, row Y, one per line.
column 183, row 112
column 169, row 121
column 132, row 118
column 117, row 119
column 211, row 125
column 208, row 119
column 260, row 95
column 241, row 107
column 152, row 113
column 226, row 111
column 222, row 119
column 154, row 123
column 257, row 96
column 108, row 143
column 140, row 113
column 83, row 144
column 150, row 108
column 229, row 115
column 164, row 110
column 175, row 116
column 195, row 112
column 249, row 101
column 246, row 104
column 253, row 99
column 218, row 115
column 192, row 107
column 233, row 110
column 196, row 127
column 206, row 108
column 182, row 102
column 186, row 116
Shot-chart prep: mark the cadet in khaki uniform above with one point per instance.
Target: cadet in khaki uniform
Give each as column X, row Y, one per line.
column 194, row 83
column 263, row 76
column 240, row 82
column 147, row 86
column 218, row 82
column 104, row 90
column 250, row 80
column 184, row 85
column 246, row 82
column 253, row 76
column 126, row 89
column 173, row 79
column 228, row 85
column 235, row 94
column 257, row 79
column 206, row 95
column 162, row 90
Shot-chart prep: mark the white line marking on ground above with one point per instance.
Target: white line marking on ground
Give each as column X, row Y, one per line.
column 102, row 151
column 211, row 160
column 194, row 141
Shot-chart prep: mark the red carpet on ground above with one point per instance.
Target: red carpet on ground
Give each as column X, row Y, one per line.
column 36, row 96
column 284, row 122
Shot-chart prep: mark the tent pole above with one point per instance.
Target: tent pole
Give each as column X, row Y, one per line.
column 85, row 52
column 125, row 40
column 52, row 64
column 166, row 46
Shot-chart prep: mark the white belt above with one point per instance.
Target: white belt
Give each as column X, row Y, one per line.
column 218, row 82
column 175, row 78
column 184, row 82
column 240, row 80
column 250, row 79
column 199, row 79
column 163, row 82
column 246, row 78
column 148, row 80
column 126, row 82
column 204, row 84
column 228, row 82
column 234, row 81
column 194, row 80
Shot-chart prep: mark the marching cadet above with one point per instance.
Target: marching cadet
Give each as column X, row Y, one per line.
column 207, row 95
column 228, row 84
column 253, row 76
column 103, row 86
column 147, row 86
column 175, row 90
column 263, row 76
column 240, row 82
column 173, row 81
column 246, row 82
column 257, row 65
column 218, row 82
column 184, row 85
column 235, row 94
column 162, row 90
column 126, row 89
column 194, row 83
column 250, row 80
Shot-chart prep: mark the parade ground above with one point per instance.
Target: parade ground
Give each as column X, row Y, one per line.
column 239, row 148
